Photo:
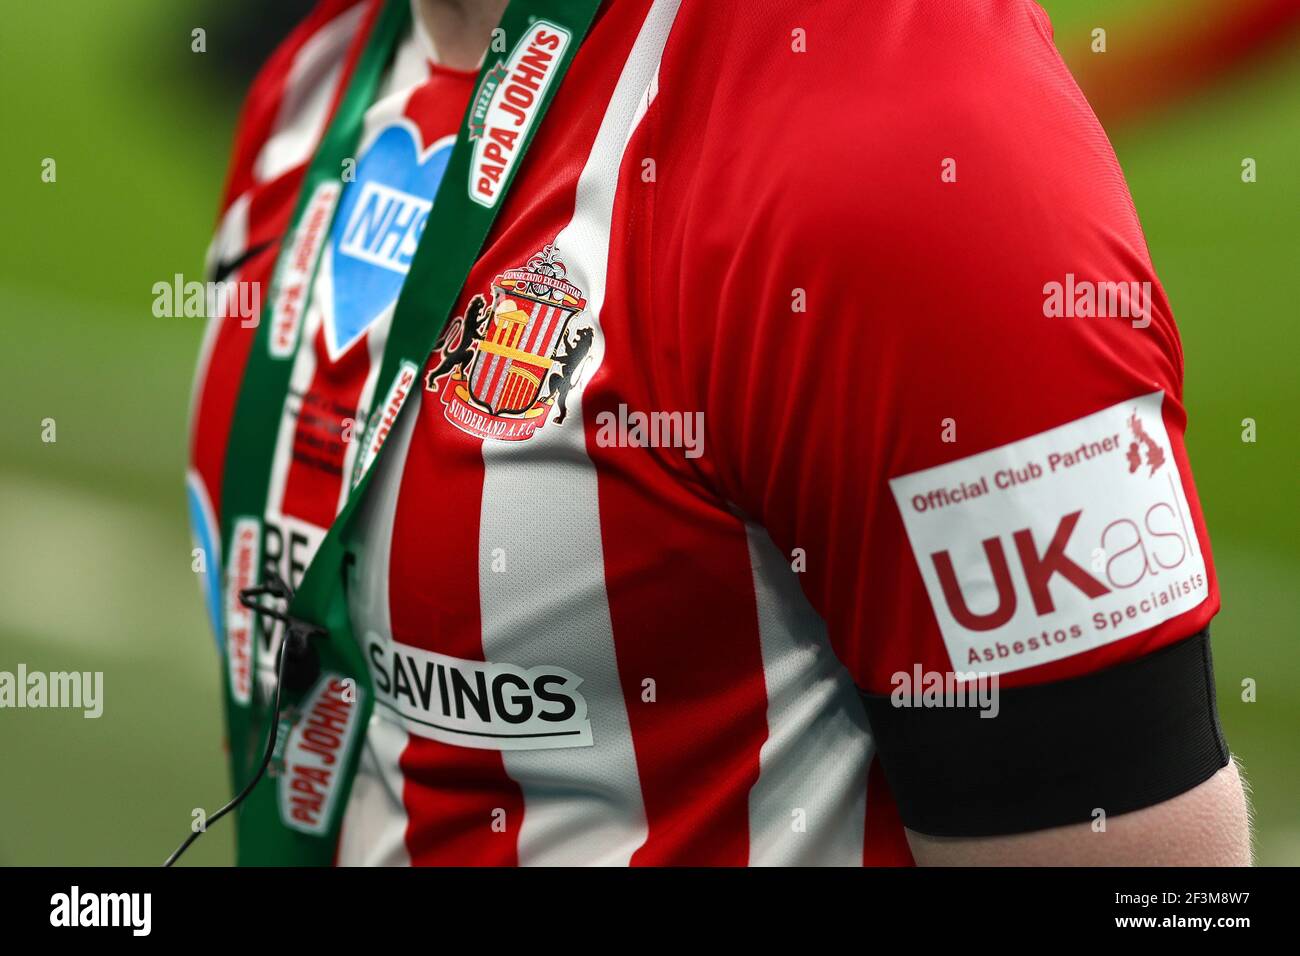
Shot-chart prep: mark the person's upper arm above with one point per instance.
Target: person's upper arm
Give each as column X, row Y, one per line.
column 979, row 485
column 1206, row 825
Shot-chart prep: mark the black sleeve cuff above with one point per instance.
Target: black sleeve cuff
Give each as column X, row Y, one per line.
column 1121, row 739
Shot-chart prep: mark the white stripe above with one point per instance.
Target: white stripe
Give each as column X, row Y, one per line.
column 374, row 824
column 309, row 91
column 540, row 506
column 808, row 806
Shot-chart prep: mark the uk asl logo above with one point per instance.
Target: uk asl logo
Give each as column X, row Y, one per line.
column 511, row 359
column 1045, row 547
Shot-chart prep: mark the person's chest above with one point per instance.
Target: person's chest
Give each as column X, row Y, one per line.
column 542, row 566
column 546, row 459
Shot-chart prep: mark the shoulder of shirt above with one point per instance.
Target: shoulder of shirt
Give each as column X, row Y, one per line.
column 841, row 111
column 846, row 72
column 311, row 52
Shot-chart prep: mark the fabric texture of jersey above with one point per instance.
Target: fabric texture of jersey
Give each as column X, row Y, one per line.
column 756, row 395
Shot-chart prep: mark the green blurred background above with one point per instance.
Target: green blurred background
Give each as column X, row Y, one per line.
column 95, row 561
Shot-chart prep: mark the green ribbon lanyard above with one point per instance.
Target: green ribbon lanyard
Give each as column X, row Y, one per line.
column 293, row 815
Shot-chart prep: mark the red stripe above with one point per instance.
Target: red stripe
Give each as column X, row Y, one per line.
column 697, row 746
column 451, row 793
column 314, row 481
column 214, row 407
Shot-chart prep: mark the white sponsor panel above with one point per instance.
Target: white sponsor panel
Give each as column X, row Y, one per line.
column 296, row 271
column 383, row 419
column 289, row 544
column 1057, row 543
column 315, row 753
column 506, row 106
column 243, row 571
column 478, row 704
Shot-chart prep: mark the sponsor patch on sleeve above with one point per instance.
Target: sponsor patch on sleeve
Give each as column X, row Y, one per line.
column 1058, row 543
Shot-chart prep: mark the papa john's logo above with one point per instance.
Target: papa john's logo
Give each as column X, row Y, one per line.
column 506, row 363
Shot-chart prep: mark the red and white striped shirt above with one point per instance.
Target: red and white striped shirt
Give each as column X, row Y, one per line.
column 758, row 363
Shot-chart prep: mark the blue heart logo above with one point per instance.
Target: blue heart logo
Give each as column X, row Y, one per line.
column 378, row 226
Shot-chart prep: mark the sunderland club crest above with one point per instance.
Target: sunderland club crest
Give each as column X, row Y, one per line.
column 509, row 361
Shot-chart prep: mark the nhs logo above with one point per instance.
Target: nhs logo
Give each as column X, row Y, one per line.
column 385, row 227
column 380, row 219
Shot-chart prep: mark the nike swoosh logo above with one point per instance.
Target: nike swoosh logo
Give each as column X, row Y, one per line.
column 228, row 266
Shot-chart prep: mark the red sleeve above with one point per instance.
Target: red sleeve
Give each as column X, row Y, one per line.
column 887, row 306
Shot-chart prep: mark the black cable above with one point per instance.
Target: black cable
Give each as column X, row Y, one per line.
column 275, row 587
column 266, row 762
